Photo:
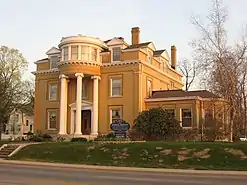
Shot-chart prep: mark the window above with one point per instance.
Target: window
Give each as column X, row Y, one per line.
column 52, row 91
column 94, row 54
column 52, row 119
column 65, row 53
column 85, row 53
column 115, row 114
column 27, row 122
column 149, row 88
column 171, row 112
column 31, row 128
column 116, row 54
column 54, row 60
column 74, row 52
column 116, row 86
column 208, row 114
column 186, row 118
column 84, row 89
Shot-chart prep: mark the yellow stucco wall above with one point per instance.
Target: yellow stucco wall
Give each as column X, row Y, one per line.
column 42, row 103
column 43, row 66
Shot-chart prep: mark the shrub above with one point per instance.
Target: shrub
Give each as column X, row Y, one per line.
column 108, row 137
column 47, row 137
column 36, row 138
column 156, row 124
column 79, row 139
column 190, row 135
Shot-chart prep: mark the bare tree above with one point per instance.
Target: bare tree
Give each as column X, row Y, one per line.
column 188, row 70
column 221, row 64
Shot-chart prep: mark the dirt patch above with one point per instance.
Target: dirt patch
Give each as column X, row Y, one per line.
column 184, row 152
column 204, row 154
column 182, row 158
column 91, row 148
column 236, row 152
column 166, row 151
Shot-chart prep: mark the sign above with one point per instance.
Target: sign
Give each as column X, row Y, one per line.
column 120, row 127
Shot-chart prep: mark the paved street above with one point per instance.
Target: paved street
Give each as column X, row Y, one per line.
column 28, row 175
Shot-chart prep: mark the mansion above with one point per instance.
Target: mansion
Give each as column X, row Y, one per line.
column 86, row 83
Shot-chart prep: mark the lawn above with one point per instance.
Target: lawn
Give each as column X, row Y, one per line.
column 182, row 155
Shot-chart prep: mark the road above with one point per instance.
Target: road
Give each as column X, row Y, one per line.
column 11, row 174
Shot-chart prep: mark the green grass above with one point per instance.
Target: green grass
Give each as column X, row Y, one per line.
column 213, row 156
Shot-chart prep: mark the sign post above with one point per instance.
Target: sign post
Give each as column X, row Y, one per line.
column 119, row 127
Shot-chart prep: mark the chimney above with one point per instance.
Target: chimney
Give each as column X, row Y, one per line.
column 173, row 57
column 135, row 32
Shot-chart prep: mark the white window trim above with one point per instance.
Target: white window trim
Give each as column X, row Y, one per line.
column 116, row 108
column 48, row 119
column 49, row 91
column 111, row 95
column 111, row 49
column 50, row 58
column 151, row 83
column 181, row 118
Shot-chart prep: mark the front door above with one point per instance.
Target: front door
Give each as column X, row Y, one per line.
column 86, row 122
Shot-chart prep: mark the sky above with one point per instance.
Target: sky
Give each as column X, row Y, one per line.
column 34, row 26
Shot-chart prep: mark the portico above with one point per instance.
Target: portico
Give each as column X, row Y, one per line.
column 83, row 114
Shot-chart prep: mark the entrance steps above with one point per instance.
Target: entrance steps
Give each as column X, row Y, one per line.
column 8, row 149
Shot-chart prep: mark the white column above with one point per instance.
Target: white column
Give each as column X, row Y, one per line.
column 72, row 121
column 94, row 125
column 63, row 105
column 78, row 103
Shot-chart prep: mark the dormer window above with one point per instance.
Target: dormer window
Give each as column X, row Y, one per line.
column 54, row 60
column 116, row 54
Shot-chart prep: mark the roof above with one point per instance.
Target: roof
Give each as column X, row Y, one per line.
column 182, row 93
column 121, row 38
column 42, row 59
column 138, row 45
column 158, row 52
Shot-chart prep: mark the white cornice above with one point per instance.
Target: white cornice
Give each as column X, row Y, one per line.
column 120, row 63
column 132, row 49
column 86, row 63
column 105, row 53
column 82, row 39
column 42, row 61
column 183, row 98
column 49, row 71
column 173, row 98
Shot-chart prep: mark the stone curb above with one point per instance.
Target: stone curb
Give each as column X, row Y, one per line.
column 124, row 169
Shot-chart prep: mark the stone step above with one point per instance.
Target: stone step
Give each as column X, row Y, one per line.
column 7, row 150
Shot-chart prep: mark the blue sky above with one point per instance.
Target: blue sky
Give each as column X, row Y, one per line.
column 34, row 27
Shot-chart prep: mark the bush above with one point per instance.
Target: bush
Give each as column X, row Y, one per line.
column 79, row 139
column 47, row 137
column 36, row 138
column 108, row 137
column 156, row 124
column 190, row 135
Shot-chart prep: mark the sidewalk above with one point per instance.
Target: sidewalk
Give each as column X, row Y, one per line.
column 123, row 169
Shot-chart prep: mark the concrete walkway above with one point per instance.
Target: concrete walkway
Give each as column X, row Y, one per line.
column 124, row 169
